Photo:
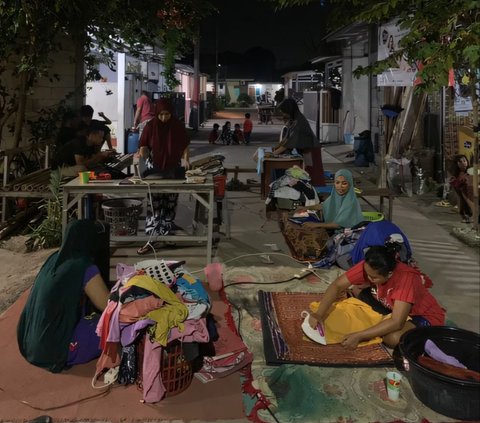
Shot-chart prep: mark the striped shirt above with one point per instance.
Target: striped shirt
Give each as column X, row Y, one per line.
column 406, row 285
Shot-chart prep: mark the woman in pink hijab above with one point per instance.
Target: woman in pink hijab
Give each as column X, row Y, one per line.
column 164, row 144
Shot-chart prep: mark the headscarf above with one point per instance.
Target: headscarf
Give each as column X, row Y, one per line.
column 343, row 209
column 167, row 141
column 299, row 133
column 377, row 233
column 53, row 307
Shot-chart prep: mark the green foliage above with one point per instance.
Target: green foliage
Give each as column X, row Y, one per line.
column 49, row 233
column 219, row 103
column 443, row 34
column 244, row 100
column 33, row 32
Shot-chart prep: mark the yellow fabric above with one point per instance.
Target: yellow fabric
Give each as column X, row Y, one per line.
column 172, row 314
column 349, row 316
column 189, row 278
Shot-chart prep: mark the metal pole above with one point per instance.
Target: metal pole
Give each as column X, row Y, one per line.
column 196, row 84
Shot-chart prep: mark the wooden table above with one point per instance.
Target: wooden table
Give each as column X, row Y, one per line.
column 269, row 164
column 74, row 194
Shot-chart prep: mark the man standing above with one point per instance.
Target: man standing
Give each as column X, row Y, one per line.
column 143, row 113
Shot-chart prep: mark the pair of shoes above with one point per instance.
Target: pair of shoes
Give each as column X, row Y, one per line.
column 466, row 219
column 443, row 203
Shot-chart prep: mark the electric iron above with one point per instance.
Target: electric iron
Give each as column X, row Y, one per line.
column 317, row 335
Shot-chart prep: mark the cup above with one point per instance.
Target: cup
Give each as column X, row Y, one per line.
column 84, row 177
column 393, row 385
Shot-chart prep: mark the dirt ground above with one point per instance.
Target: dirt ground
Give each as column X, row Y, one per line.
column 18, row 269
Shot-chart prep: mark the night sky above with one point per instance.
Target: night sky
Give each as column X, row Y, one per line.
column 292, row 34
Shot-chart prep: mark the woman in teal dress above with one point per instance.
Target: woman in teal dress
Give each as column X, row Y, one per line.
column 341, row 209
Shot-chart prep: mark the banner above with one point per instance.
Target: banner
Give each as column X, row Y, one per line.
column 404, row 75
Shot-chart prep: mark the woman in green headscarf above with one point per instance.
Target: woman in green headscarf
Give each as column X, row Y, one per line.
column 53, row 331
column 341, row 209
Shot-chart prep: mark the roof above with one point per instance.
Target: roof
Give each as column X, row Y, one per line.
column 300, row 73
column 356, row 31
column 324, row 59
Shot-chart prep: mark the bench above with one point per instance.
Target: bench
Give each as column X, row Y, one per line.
column 237, row 169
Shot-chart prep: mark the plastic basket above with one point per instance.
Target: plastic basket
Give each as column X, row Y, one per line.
column 176, row 370
column 373, row 216
column 219, row 182
column 122, row 215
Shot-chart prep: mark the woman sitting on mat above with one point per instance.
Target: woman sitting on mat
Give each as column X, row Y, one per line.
column 399, row 288
column 54, row 330
column 341, row 209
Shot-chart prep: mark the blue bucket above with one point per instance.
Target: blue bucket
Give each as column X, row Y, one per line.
column 132, row 142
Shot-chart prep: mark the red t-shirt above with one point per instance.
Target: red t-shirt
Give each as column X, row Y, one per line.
column 247, row 126
column 213, row 136
column 406, row 285
column 146, row 108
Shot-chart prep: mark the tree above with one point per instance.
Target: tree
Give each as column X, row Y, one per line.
column 443, row 36
column 33, row 31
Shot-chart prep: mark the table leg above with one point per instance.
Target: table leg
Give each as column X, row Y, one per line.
column 211, row 211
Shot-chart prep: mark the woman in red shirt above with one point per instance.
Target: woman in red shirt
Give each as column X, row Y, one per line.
column 399, row 287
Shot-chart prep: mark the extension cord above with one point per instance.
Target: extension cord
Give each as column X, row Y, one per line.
column 111, row 376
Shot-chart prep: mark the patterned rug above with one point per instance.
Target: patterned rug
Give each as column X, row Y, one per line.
column 304, row 393
column 283, row 311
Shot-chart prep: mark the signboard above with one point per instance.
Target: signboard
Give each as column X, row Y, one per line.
column 404, row 75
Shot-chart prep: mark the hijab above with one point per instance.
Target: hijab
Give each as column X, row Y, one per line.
column 343, row 209
column 299, row 133
column 53, row 307
column 167, row 141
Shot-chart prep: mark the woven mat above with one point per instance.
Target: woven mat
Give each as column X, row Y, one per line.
column 285, row 309
column 311, row 393
column 27, row 391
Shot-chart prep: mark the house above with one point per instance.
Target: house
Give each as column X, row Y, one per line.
column 426, row 131
column 116, row 92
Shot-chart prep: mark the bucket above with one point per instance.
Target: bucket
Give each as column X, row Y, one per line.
column 450, row 396
column 132, row 142
column 219, row 182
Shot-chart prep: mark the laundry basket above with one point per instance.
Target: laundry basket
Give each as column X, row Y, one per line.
column 122, row 215
column 373, row 216
column 176, row 370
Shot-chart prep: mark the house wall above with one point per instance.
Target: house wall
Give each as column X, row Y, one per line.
column 46, row 93
column 355, row 92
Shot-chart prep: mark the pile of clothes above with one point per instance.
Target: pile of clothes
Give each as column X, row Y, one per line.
column 212, row 165
column 152, row 304
column 294, row 185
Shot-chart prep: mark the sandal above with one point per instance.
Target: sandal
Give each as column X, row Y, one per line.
column 443, row 203
column 149, row 247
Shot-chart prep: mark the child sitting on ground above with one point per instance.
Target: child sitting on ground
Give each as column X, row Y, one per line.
column 238, row 137
column 214, row 134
